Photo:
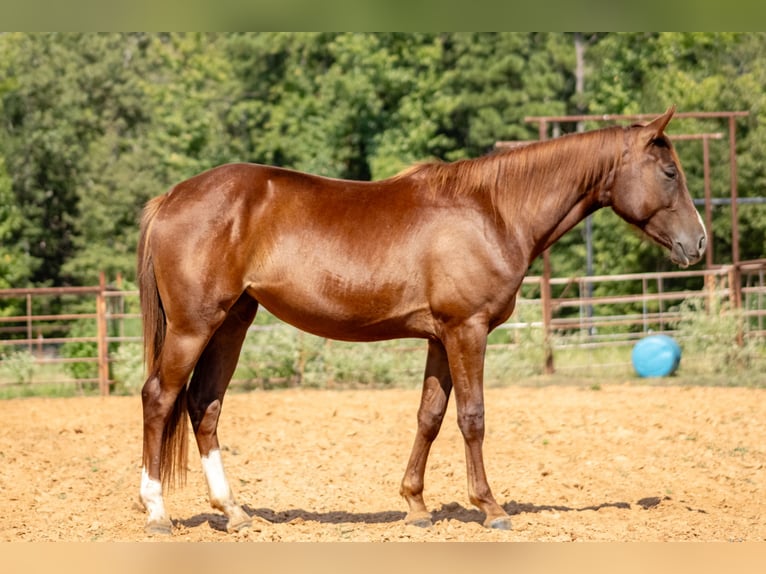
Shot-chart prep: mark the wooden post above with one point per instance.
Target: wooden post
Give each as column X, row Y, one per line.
column 735, row 291
column 711, row 283
column 101, row 333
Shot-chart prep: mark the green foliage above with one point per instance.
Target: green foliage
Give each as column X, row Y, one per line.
column 127, row 368
column 48, row 120
column 397, row 363
column 517, row 352
column 276, row 355
column 49, row 390
column 13, row 265
column 81, row 350
column 714, row 339
column 18, row 366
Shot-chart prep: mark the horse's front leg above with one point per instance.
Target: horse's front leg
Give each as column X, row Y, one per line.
column 466, row 346
column 437, row 385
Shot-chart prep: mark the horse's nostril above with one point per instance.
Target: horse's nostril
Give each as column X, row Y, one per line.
column 702, row 243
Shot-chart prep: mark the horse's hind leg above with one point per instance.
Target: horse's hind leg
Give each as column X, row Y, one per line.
column 206, row 391
column 163, row 398
column 437, row 385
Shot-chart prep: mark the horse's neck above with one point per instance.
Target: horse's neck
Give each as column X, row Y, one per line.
column 574, row 215
column 563, row 198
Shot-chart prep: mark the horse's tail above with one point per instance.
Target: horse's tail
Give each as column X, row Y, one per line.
column 152, row 312
column 173, row 453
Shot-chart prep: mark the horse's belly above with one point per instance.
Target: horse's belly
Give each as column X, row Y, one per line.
column 345, row 313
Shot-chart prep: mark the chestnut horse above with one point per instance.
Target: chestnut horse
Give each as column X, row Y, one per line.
column 437, row 252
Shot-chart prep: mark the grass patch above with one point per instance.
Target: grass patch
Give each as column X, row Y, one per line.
column 49, row 390
column 276, row 355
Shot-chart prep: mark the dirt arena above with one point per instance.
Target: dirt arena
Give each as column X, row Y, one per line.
column 622, row 463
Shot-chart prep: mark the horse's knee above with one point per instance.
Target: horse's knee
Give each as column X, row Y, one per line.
column 470, row 420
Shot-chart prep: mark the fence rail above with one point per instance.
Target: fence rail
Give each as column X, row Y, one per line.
column 586, row 312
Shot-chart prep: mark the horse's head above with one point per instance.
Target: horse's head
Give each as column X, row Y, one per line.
column 650, row 192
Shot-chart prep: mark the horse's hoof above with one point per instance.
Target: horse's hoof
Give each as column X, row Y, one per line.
column 237, row 520
column 500, row 523
column 421, row 523
column 159, row 528
column 419, row 519
column 239, row 525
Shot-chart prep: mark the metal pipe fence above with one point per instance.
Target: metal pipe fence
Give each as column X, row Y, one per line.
column 78, row 331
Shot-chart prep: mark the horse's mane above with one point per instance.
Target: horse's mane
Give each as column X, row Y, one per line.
column 527, row 175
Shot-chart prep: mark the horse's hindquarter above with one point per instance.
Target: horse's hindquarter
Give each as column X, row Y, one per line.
column 361, row 261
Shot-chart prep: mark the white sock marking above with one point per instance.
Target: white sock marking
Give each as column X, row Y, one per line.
column 218, row 486
column 151, row 496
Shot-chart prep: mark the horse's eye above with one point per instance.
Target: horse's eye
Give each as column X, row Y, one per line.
column 670, row 171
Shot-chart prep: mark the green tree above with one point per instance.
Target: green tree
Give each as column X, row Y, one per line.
column 96, row 124
column 13, row 267
column 275, row 116
column 366, row 105
column 179, row 83
column 68, row 91
column 495, row 80
column 45, row 127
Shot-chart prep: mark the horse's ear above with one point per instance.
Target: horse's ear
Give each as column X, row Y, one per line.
column 656, row 128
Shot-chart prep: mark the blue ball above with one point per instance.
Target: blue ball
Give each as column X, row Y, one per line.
column 656, row 356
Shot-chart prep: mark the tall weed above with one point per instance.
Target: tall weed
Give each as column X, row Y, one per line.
column 18, row 366
column 714, row 339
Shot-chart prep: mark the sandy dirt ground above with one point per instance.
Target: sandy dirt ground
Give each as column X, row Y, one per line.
column 622, row 463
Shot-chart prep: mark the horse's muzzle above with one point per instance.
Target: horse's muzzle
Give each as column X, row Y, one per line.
column 685, row 253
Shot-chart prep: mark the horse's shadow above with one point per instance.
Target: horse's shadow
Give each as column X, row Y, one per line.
column 450, row 511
